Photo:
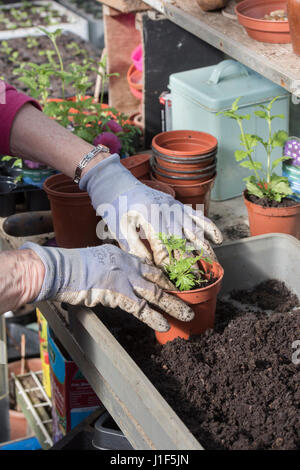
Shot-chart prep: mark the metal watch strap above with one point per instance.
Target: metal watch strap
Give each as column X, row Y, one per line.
column 86, row 159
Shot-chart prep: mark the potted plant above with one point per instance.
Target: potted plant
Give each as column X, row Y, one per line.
column 198, row 280
column 268, row 196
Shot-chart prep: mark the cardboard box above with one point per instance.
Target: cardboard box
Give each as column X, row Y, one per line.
column 72, row 396
column 43, row 336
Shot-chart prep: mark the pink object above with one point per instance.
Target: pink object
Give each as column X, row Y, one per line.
column 110, row 140
column 10, row 103
column 112, row 126
column 137, row 57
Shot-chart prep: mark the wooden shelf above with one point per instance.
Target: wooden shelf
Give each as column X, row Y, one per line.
column 277, row 62
column 125, row 6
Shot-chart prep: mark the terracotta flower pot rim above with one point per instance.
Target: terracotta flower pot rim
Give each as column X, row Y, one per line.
column 185, row 160
column 183, row 136
column 203, row 289
column 240, row 7
column 63, row 179
column 201, row 171
column 261, row 29
column 271, row 211
column 131, row 71
column 179, row 178
column 135, row 160
column 188, row 186
column 163, row 187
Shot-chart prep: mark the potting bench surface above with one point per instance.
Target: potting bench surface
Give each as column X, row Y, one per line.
column 277, row 62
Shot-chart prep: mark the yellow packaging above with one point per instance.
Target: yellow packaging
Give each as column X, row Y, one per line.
column 43, row 336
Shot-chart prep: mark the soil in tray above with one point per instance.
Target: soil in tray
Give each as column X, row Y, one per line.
column 29, row 17
column 32, row 54
column 265, row 202
column 235, row 387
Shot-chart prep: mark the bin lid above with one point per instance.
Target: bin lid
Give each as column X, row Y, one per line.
column 216, row 87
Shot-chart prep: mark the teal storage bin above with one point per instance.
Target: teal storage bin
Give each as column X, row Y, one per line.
column 199, row 94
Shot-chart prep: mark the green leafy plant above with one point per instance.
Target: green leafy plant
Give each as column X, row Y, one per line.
column 263, row 183
column 181, row 268
column 82, row 115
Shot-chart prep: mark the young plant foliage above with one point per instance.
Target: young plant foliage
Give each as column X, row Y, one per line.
column 262, row 183
column 181, row 269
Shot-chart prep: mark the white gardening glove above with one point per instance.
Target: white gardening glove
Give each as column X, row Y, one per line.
column 126, row 205
column 107, row 275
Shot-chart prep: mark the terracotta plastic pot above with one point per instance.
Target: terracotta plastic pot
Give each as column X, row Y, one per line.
column 185, row 164
column 250, row 14
column 181, row 178
column 17, row 421
column 294, row 22
column 184, row 143
column 164, row 188
column 202, row 301
column 273, row 219
column 74, row 217
column 138, row 165
column 194, row 194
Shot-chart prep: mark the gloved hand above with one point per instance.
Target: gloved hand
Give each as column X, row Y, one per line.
column 107, row 275
column 125, row 204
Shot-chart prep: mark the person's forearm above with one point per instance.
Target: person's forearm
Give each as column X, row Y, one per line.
column 34, row 136
column 21, row 278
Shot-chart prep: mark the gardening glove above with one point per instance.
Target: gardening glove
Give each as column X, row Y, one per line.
column 107, row 275
column 126, row 205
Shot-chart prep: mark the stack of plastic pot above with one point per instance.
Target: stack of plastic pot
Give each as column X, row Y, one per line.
column 186, row 161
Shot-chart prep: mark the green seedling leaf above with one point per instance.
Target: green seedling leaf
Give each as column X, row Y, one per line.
column 254, row 189
column 251, row 165
column 279, row 138
column 278, row 161
column 261, row 114
column 240, row 155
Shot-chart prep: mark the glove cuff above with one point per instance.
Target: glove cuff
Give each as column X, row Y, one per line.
column 107, row 180
column 57, row 269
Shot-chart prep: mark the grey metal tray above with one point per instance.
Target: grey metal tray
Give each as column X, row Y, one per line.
column 135, row 405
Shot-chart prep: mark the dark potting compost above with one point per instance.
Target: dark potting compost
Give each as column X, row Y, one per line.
column 235, row 387
column 73, row 49
column 265, row 202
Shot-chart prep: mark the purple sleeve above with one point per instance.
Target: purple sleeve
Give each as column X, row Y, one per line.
column 10, row 103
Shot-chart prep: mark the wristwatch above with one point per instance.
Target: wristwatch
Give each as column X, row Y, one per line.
column 87, row 158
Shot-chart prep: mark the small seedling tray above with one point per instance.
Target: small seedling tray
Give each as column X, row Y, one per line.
column 76, row 24
column 36, row 405
column 95, row 25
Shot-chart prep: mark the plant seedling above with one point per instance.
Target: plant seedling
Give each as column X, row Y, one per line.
column 264, row 183
column 181, row 268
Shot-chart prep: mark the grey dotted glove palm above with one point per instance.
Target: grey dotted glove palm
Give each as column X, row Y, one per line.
column 107, row 275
